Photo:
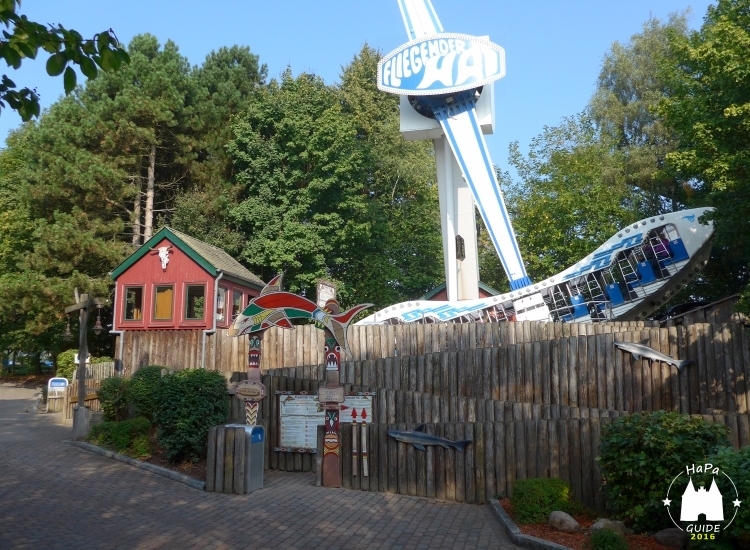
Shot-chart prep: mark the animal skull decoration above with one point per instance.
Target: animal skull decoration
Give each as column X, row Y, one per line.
column 164, row 252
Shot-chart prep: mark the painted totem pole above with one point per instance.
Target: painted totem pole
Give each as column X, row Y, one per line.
column 274, row 307
column 252, row 391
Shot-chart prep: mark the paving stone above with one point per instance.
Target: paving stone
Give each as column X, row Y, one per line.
column 56, row 496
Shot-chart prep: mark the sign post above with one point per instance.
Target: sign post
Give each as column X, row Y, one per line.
column 81, row 412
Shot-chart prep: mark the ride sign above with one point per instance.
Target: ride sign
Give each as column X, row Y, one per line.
column 441, row 64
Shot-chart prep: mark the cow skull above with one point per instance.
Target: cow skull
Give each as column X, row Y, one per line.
column 164, row 252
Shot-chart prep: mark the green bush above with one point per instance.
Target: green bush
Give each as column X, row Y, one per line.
column 188, row 403
column 534, row 500
column 66, row 368
column 605, row 539
column 736, row 465
column 113, row 395
column 120, row 435
column 641, row 453
column 97, row 360
column 141, row 447
column 142, row 390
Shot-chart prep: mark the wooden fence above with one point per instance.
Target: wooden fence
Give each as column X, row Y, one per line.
column 180, row 349
column 71, row 397
column 400, row 406
column 578, row 371
column 500, row 453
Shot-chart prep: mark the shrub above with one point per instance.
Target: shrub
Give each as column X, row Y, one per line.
column 641, row 453
column 113, row 395
column 66, row 368
column 142, row 390
column 605, row 539
column 141, row 447
column 120, row 435
column 97, row 360
column 188, row 403
column 534, row 500
column 736, row 465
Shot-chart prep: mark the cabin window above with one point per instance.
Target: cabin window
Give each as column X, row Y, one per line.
column 221, row 304
column 163, row 298
column 133, row 303
column 195, row 301
column 236, row 304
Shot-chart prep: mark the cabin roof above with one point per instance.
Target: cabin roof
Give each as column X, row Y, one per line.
column 209, row 257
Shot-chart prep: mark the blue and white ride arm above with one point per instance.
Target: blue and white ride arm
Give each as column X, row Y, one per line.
column 420, row 18
column 458, row 118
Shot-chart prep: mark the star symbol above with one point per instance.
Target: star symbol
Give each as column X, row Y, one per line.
column 737, row 503
column 667, row 502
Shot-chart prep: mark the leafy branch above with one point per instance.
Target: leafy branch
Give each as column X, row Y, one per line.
column 23, row 39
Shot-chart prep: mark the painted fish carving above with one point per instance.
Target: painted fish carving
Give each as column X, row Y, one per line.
column 418, row 438
column 641, row 351
column 276, row 308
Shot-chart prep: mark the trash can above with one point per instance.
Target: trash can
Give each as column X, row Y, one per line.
column 255, row 441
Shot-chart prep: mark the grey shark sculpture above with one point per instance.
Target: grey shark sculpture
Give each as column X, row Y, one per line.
column 640, row 350
column 419, row 439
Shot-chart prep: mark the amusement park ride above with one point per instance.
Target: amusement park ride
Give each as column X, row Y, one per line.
column 445, row 85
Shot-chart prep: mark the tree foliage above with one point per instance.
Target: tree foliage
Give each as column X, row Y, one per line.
column 572, row 195
column 709, row 107
column 67, row 48
column 330, row 190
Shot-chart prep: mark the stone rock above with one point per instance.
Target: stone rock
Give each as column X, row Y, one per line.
column 563, row 522
column 617, row 526
column 673, row 537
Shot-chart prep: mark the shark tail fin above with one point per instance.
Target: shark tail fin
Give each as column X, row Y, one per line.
column 460, row 445
column 340, row 323
column 420, row 428
column 682, row 364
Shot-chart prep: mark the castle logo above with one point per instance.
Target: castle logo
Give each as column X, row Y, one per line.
column 702, row 512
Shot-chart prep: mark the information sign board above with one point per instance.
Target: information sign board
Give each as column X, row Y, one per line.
column 301, row 414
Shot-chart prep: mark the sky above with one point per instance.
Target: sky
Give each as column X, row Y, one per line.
column 553, row 48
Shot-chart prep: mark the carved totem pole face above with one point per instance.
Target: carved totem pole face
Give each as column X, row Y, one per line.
column 331, row 439
column 332, row 355
column 253, row 356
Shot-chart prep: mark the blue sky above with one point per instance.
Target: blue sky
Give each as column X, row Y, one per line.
column 553, row 48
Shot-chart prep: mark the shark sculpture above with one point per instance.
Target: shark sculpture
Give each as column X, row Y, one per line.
column 641, row 351
column 418, row 438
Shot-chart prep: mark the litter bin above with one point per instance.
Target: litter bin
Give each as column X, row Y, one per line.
column 255, row 441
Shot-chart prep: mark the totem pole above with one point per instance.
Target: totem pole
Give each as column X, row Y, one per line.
column 331, row 397
column 252, row 391
column 276, row 308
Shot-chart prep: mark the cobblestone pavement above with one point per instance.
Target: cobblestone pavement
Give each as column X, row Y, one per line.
column 54, row 495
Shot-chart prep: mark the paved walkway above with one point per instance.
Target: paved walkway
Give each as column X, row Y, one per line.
column 54, row 495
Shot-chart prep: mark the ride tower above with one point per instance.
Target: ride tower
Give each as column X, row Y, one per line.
column 445, row 84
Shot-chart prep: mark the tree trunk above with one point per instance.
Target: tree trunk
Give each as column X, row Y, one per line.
column 137, row 208
column 38, row 363
column 148, row 219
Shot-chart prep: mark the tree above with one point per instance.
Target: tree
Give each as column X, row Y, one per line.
column 709, row 108
column 67, row 48
column 225, row 85
column 331, row 190
column 623, row 109
column 572, row 196
column 403, row 259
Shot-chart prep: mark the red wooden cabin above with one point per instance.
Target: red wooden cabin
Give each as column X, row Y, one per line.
column 173, row 281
